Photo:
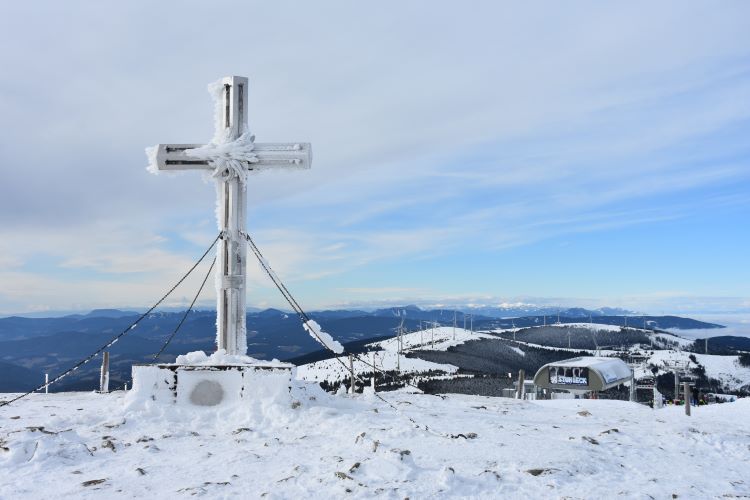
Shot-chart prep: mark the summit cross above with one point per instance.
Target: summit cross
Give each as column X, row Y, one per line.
column 231, row 155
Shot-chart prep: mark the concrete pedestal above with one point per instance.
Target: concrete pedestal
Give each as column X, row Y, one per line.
column 213, row 385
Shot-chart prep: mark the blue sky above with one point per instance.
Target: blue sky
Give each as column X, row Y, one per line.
column 580, row 154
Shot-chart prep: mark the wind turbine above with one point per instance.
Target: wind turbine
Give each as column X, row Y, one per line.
column 400, row 345
column 596, row 344
column 454, row 325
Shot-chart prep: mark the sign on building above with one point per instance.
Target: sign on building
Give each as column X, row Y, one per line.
column 561, row 375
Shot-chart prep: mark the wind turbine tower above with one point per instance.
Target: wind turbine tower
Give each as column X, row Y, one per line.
column 454, row 325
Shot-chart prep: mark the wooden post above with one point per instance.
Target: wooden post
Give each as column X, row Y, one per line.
column 104, row 375
column 521, row 380
column 372, row 380
column 686, row 391
column 351, row 374
column 46, row 383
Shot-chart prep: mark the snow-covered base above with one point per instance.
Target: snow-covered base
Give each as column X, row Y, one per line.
column 201, row 381
column 85, row 445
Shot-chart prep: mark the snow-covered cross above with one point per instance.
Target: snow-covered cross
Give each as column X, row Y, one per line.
column 231, row 155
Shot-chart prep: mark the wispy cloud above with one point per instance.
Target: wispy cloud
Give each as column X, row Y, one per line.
column 462, row 131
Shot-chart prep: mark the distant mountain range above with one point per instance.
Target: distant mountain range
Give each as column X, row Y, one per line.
column 30, row 347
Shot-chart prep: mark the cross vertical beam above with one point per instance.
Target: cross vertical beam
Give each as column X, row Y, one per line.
column 232, row 249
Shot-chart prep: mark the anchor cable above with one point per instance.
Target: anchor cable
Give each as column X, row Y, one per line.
column 305, row 318
column 116, row 337
column 184, row 316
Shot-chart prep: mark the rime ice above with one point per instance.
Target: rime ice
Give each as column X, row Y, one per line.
column 230, row 156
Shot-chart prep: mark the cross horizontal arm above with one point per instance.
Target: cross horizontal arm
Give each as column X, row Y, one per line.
column 269, row 155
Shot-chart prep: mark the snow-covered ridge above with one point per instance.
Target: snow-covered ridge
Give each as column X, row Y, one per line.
column 439, row 338
column 386, row 355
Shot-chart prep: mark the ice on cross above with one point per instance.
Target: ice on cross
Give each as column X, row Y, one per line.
column 231, row 155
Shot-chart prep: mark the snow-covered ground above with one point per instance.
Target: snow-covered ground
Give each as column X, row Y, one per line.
column 439, row 339
column 724, row 368
column 386, row 355
column 85, row 445
column 591, row 326
column 333, row 370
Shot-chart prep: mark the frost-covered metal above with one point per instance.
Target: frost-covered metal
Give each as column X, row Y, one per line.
column 231, row 155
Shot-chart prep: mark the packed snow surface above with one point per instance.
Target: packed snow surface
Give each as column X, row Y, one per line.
column 87, row 445
column 220, row 357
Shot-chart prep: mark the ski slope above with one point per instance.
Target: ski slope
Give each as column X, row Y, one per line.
column 440, row 339
column 387, row 358
column 86, row 445
column 727, row 369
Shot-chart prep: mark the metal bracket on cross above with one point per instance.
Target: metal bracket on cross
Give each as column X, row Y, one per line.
column 269, row 155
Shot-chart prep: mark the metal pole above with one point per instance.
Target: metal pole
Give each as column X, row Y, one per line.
column 686, row 390
column 104, row 374
column 400, row 347
column 46, row 383
column 676, row 387
column 351, row 374
column 231, row 251
column 632, row 384
column 372, row 380
column 454, row 325
column 657, row 397
column 521, row 380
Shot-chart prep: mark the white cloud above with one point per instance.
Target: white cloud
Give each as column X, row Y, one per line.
column 430, row 125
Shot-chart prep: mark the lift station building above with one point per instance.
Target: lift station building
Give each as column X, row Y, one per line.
column 583, row 374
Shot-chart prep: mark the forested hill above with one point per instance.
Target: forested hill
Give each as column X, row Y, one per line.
column 30, row 347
